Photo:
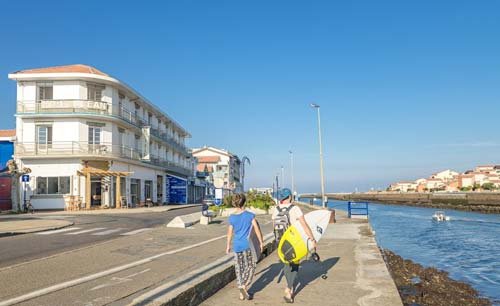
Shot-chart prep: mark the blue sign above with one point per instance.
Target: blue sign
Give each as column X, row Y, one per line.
column 25, row 178
column 218, row 202
column 176, row 190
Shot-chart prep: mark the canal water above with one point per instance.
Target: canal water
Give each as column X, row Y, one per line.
column 467, row 246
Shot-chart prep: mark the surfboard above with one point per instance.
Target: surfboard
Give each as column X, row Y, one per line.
column 295, row 244
column 254, row 244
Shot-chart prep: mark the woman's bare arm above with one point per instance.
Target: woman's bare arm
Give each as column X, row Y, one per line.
column 229, row 238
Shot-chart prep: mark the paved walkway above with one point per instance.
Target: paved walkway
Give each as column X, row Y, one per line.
column 15, row 224
column 356, row 273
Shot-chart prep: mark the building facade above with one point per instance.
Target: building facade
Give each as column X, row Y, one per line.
column 91, row 138
column 224, row 167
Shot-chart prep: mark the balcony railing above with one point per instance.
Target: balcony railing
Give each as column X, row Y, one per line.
column 95, row 107
column 75, row 148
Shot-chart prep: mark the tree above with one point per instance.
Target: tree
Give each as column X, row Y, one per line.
column 488, row 186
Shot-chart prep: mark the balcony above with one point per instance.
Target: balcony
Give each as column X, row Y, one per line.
column 75, row 148
column 170, row 140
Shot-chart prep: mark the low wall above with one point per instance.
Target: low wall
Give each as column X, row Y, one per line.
column 487, row 202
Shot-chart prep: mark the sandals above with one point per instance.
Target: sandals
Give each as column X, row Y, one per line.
column 288, row 300
column 245, row 294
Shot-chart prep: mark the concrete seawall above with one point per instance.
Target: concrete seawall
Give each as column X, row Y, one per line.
column 486, row 202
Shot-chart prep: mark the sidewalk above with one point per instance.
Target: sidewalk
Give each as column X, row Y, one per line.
column 356, row 273
column 16, row 224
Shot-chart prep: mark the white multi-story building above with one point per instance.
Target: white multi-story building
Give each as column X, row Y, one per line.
column 90, row 136
column 223, row 165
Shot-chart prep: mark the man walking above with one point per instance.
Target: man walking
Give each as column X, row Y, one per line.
column 293, row 214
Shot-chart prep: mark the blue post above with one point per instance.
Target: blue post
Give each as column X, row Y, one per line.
column 349, row 209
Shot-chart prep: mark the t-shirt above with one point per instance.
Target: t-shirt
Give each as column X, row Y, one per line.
column 295, row 213
column 242, row 224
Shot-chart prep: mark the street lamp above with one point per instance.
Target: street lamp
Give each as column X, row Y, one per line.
column 316, row 106
column 283, row 176
column 291, row 167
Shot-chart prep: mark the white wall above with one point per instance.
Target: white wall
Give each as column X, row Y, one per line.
column 66, row 90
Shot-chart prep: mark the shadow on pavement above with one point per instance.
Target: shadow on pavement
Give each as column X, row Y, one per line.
column 309, row 271
column 266, row 277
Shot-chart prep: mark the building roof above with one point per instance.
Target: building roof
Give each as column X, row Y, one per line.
column 215, row 150
column 405, row 182
column 77, row 68
column 208, row 159
column 201, row 168
column 7, row 133
column 485, row 166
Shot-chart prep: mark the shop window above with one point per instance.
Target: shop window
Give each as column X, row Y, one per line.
column 53, row 185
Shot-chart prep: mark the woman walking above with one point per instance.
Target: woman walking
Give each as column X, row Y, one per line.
column 240, row 226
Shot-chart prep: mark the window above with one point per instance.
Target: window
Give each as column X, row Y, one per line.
column 94, row 92
column 45, row 91
column 44, row 136
column 95, row 135
column 147, row 189
column 53, row 185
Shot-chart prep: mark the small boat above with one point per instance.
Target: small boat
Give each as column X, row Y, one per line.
column 440, row 216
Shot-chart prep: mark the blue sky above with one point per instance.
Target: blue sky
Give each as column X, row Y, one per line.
column 406, row 88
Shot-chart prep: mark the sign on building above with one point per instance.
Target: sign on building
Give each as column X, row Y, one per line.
column 176, row 190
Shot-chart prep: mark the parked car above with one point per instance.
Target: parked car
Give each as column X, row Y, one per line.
column 209, row 199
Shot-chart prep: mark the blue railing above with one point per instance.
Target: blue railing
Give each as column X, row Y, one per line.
column 357, row 209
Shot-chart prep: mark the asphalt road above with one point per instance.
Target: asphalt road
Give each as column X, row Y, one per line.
column 88, row 230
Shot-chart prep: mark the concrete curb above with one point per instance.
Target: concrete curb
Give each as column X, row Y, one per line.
column 198, row 285
column 45, row 229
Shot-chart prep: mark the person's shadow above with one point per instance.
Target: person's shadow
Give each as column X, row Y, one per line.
column 311, row 270
column 308, row 272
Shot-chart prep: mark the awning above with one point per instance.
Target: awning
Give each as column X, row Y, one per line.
column 103, row 173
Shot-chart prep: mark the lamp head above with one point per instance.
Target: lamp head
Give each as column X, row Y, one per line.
column 314, row 105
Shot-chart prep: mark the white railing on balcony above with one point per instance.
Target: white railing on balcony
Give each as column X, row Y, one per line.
column 75, row 148
column 96, row 107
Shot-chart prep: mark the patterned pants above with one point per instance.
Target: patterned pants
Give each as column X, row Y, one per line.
column 245, row 267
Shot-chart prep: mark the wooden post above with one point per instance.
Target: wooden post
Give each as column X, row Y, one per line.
column 87, row 191
column 117, row 193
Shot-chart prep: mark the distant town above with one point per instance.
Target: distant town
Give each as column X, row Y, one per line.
column 482, row 178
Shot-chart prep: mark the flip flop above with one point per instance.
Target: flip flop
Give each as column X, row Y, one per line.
column 288, row 300
column 245, row 294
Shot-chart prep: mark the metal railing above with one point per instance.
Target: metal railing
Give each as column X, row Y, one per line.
column 77, row 148
column 99, row 108
column 357, row 209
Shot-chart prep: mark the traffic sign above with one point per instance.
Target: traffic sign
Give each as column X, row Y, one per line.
column 25, row 178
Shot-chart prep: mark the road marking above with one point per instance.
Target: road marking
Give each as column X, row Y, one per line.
column 136, row 231
column 118, row 280
column 111, row 231
column 58, row 231
column 91, row 277
column 87, row 231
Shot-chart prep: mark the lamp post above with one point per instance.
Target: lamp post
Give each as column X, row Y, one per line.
column 283, row 176
column 316, row 106
column 291, row 167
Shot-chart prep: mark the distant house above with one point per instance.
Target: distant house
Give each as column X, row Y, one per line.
column 435, row 183
column 224, row 165
column 465, row 180
column 452, row 186
column 446, row 175
column 404, row 186
column 486, row 169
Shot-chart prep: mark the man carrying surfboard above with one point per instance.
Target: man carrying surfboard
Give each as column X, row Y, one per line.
column 242, row 223
column 284, row 211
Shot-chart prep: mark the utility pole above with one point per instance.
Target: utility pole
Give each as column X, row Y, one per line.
column 316, row 106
